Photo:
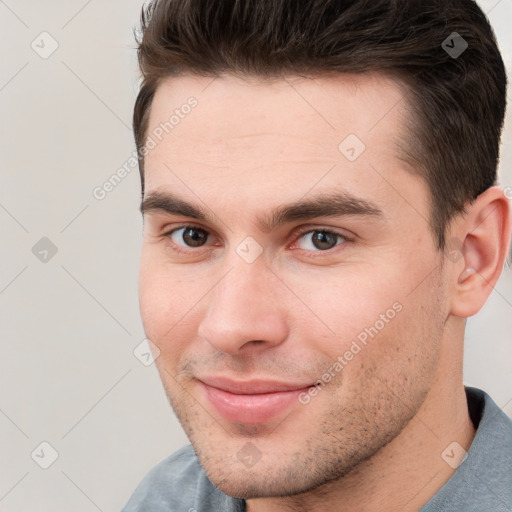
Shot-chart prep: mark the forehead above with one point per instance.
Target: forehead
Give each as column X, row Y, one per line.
column 227, row 134
column 317, row 109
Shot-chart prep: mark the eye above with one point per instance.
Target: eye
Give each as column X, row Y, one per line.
column 320, row 240
column 189, row 236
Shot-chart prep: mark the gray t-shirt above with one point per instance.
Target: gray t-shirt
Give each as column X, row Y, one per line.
column 482, row 483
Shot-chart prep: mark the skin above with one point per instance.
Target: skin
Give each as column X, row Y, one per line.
column 372, row 438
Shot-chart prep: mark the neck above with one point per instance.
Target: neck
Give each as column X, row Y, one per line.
column 409, row 470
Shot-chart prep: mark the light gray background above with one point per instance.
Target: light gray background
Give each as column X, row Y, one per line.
column 68, row 375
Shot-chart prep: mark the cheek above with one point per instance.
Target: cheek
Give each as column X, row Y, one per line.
column 164, row 299
column 348, row 302
column 401, row 358
column 377, row 326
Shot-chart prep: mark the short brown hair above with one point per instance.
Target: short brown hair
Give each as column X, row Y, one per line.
column 457, row 102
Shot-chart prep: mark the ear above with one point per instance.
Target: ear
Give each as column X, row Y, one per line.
column 483, row 236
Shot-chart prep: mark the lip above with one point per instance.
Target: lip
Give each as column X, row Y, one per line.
column 251, row 387
column 250, row 402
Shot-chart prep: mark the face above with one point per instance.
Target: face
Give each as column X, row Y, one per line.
column 286, row 250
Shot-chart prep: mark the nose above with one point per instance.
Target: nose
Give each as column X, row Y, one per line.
column 246, row 309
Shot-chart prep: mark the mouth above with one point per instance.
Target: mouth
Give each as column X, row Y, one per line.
column 250, row 402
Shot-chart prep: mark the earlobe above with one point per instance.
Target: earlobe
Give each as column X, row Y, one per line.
column 485, row 236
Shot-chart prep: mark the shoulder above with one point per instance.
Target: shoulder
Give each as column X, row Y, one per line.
column 483, row 481
column 172, row 482
column 179, row 483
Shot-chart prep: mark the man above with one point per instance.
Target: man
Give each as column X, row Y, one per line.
column 321, row 215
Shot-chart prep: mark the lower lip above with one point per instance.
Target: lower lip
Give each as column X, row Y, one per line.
column 250, row 409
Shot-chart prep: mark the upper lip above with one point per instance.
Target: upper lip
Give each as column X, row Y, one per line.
column 251, row 387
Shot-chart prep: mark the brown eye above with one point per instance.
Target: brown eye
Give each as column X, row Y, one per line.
column 189, row 236
column 320, row 240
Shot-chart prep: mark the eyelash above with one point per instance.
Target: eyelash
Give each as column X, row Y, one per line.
column 296, row 236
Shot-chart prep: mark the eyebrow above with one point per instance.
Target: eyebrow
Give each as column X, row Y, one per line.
column 324, row 205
